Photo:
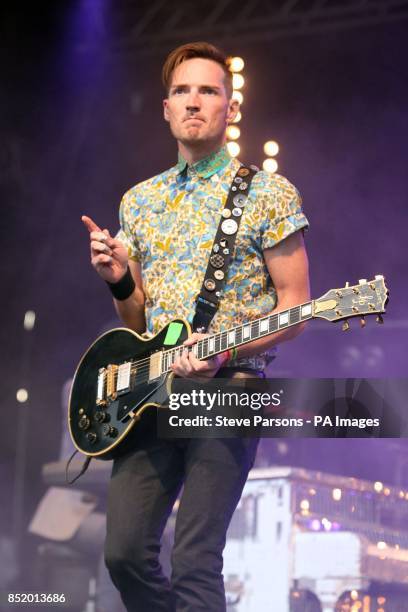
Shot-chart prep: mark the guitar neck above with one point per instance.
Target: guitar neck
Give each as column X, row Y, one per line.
column 242, row 334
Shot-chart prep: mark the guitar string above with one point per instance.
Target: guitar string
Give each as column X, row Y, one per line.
column 138, row 364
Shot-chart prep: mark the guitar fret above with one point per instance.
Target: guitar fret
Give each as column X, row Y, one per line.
column 254, row 330
column 218, row 343
column 306, row 311
column 263, row 326
column 283, row 319
column 246, row 332
column 273, row 323
column 294, row 315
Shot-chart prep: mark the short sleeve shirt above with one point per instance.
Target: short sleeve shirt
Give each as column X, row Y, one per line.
column 169, row 222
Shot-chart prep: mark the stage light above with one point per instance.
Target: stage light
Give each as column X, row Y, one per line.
column 387, row 491
column 270, row 165
column 233, row 132
column 381, row 545
column 378, row 486
column 237, row 95
column 22, row 395
column 271, row 148
column 233, row 148
column 326, row 524
column 381, row 600
column 354, row 594
column 336, row 494
column 29, row 320
column 238, row 81
column 236, row 64
column 238, row 117
column 304, row 505
column 315, row 525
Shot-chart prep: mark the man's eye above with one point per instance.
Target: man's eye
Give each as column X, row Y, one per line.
column 178, row 90
column 210, row 91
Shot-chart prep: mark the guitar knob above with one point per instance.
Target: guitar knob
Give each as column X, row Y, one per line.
column 101, row 416
column 84, row 422
column 110, row 431
column 345, row 326
column 91, row 437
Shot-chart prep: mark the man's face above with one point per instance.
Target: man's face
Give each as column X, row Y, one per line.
column 197, row 107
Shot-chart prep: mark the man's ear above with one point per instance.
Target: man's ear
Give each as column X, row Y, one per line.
column 233, row 109
column 166, row 110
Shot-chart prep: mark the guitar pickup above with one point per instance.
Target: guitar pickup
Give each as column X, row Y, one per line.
column 123, row 379
column 111, row 392
column 100, row 389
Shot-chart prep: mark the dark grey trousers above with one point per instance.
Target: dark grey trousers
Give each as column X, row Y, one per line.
column 143, row 488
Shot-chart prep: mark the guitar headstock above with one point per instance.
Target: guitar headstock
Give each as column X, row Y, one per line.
column 366, row 298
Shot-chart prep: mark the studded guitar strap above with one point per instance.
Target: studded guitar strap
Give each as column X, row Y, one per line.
column 222, row 249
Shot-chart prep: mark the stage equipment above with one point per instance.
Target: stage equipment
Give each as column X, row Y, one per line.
column 299, row 535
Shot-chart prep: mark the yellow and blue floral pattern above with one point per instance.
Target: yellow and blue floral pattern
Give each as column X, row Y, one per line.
column 168, row 224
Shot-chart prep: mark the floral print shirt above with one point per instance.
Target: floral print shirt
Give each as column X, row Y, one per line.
column 168, row 224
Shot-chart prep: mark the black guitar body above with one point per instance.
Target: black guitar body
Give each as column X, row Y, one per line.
column 97, row 427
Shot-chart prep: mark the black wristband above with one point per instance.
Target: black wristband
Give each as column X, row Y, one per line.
column 123, row 288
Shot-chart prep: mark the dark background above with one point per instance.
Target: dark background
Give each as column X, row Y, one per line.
column 81, row 122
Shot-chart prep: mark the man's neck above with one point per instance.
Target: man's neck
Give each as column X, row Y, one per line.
column 192, row 155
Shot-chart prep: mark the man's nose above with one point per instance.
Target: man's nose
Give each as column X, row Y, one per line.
column 193, row 101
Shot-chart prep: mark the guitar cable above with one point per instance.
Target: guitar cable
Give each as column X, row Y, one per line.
column 82, row 471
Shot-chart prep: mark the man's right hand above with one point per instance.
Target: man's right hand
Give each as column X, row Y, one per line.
column 108, row 255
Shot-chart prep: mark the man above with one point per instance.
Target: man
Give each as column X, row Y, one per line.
column 155, row 267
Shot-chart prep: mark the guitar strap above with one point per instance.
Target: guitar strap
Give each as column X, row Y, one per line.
column 208, row 299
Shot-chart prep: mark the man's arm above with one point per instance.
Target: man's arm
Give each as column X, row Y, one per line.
column 132, row 311
column 110, row 259
column 288, row 267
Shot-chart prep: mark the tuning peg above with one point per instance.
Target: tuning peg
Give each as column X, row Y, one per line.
column 345, row 326
column 362, row 281
column 362, row 322
column 379, row 319
column 347, row 284
column 379, row 277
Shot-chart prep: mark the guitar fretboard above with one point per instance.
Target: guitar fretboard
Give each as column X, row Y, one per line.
column 242, row 334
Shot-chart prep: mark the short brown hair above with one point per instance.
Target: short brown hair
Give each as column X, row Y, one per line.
column 191, row 50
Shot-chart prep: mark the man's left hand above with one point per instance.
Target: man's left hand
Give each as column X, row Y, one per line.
column 188, row 366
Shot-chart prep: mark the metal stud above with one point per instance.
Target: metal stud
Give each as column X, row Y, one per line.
column 240, row 200
column 217, row 261
column 243, row 186
column 237, row 212
column 209, row 284
column 219, row 274
column 243, row 172
column 229, row 227
column 226, row 213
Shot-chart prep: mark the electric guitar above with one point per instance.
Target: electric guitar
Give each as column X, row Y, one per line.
column 122, row 374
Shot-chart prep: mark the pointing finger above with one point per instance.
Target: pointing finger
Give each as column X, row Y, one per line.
column 90, row 225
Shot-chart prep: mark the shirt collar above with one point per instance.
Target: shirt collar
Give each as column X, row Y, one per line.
column 208, row 166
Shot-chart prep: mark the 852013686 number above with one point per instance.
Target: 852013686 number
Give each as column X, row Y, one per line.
column 34, row 598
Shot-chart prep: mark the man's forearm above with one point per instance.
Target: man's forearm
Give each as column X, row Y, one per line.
column 132, row 312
